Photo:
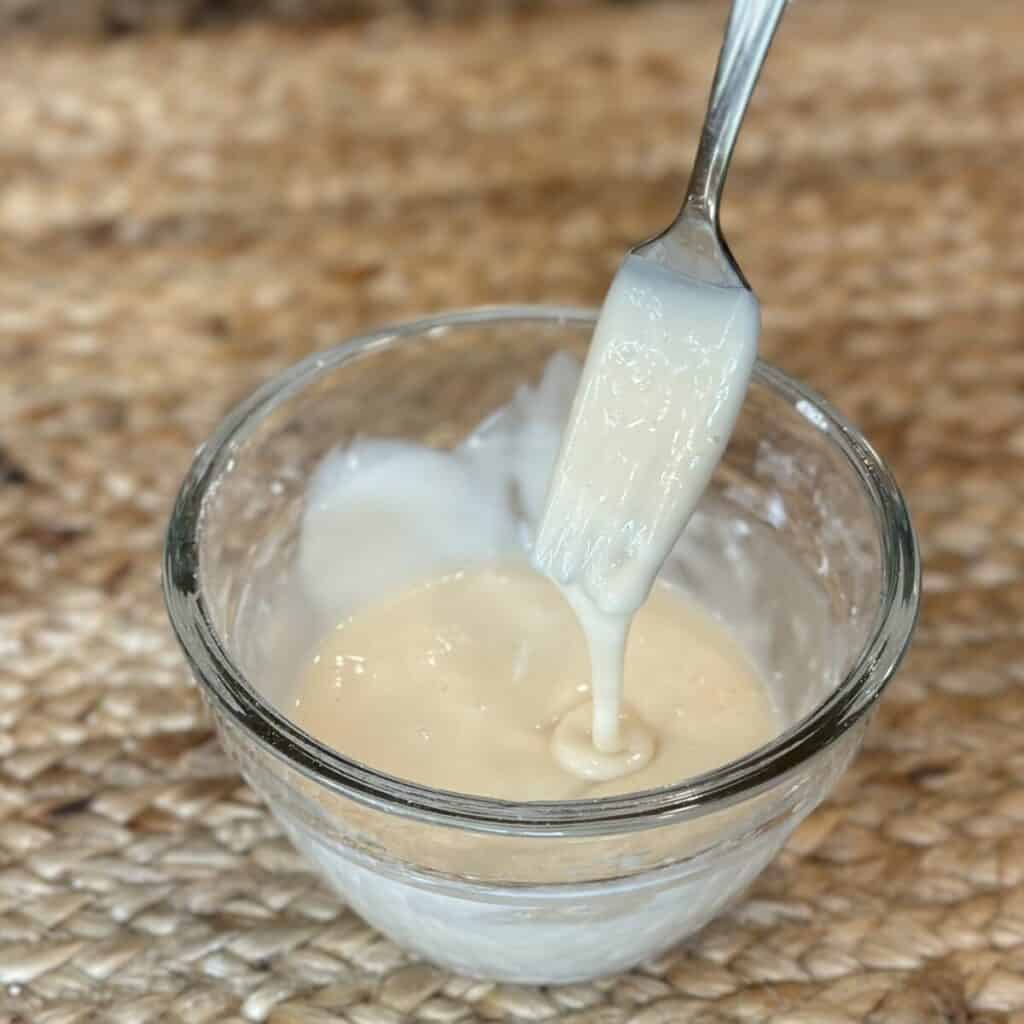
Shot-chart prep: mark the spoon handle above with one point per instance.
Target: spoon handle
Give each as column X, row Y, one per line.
column 752, row 24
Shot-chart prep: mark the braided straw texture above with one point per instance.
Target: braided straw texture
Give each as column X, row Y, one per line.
column 181, row 217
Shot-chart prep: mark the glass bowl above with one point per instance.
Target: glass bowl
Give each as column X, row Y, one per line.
column 802, row 546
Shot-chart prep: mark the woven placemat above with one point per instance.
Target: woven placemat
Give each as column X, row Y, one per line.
column 180, row 218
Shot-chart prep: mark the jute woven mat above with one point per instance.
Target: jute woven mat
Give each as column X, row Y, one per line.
column 180, row 218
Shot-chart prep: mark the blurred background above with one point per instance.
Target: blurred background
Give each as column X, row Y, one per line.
column 194, row 193
column 113, row 16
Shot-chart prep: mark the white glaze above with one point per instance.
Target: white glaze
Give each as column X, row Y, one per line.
column 662, row 386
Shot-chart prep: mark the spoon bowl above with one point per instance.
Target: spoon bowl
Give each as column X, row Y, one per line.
column 693, row 244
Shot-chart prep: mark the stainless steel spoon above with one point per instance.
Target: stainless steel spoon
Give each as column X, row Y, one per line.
column 693, row 244
column 665, row 376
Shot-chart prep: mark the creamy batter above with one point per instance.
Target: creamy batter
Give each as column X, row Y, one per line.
column 479, row 681
column 664, row 380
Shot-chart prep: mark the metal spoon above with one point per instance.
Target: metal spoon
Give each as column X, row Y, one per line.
column 665, row 376
column 693, row 244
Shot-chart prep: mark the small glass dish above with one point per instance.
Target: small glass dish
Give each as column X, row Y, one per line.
column 802, row 546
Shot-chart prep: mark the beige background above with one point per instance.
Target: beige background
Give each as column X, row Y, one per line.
column 115, row 17
column 180, row 217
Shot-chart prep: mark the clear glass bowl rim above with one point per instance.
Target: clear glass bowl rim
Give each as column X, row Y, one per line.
column 225, row 686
